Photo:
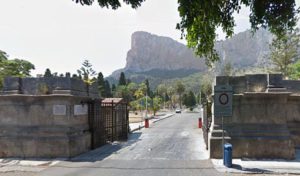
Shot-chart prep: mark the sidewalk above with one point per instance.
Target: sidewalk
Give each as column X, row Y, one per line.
column 26, row 165
column 241, row 166
column 140, row 125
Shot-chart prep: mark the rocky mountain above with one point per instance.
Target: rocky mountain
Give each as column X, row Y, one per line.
column 245, row 49
column 157, row 58
column 149, row 52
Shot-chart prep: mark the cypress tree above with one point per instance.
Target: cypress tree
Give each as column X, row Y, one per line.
column 122, row 79
column 107, row 89
column 101, row 85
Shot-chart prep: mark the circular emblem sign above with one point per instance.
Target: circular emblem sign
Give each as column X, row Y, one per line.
column 223, row 99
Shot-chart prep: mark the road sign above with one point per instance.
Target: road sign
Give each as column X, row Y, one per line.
column 223, row 100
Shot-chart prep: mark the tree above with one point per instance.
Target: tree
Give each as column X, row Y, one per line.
column 132, row 87
column 101, row 85
column 122, row 79
column 184, row 99
column 162, row 91
column 107, row 90
column 18, row 67
column 3, row 56
column 190, row 100
column 200, row 19
column 156, row 103
column 171, row 92
column 87, row 72
column 113, row 89
column 295, row 71
column 148, row 87
column 180, row 89
column 122, row 91
column 141, row 91
column 15, row 67
column 284, row 51
column 206, row 87
column 114, row 4
column 48, row 73
column 227, row 69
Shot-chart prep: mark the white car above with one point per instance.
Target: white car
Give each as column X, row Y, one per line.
column 178, row 110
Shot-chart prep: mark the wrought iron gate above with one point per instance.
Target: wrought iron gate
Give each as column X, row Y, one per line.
column 116, row 120
column 96, row 124
column 108, row 122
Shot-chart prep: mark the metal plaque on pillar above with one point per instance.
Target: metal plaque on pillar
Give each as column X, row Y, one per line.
column 223, row 100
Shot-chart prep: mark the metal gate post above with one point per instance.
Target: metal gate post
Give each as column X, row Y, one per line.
column 112, row 121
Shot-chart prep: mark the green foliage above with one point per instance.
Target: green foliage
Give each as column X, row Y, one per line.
column 107, row 89
column 148, row 88
column 122, row 91
column 206, row 87
column 200, row 19
column 284, row 51
column 114, row 4
column 190, row 100
column 122, row 79
column 113, row 89
column 227, row 69
column 171, row 92
column 180, row 88
column 156, row 104
column 101, row 85
column 140, row 103
column 141, row 91
column 132, row 87
column 3, row 56
column 295, row 71
column 87, row 72
column 161, row 90
column 15, row 67
column 48, row 73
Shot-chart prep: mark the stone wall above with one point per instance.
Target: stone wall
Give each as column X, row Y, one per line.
column 53, row 85
column 45, row 117
column 265, row 121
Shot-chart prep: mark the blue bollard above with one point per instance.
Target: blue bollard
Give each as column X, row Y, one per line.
column 227, row 160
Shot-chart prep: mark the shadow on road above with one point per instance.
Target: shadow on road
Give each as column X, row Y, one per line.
column 251, row 170
column 105, row 151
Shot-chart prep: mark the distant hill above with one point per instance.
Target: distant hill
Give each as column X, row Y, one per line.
column 162, row 58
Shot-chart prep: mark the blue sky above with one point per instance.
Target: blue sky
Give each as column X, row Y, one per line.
column 60, row 34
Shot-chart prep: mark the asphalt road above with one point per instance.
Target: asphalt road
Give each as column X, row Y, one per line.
column 173, row 146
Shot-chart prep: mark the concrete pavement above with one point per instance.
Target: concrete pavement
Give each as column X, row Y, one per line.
column 173, row 146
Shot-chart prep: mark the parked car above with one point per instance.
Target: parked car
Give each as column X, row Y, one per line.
column 178, row 110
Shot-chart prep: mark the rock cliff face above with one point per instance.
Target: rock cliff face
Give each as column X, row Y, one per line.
column 159, row 58
column 245, row 49
column 149, row 52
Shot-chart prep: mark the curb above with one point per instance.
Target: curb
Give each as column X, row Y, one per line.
column 136, row 129
column 140, row 127
column 163, row 118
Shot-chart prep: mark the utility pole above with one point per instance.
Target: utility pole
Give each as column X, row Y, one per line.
column 146, row 106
